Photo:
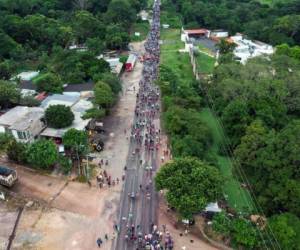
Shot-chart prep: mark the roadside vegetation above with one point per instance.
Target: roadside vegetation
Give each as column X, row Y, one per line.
column 250, row 116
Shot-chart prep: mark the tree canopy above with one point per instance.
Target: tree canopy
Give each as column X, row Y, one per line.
column 42, row 154
column 59, row 116
column 190, row 184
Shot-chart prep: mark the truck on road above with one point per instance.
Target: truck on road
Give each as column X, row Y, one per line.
column 7, row 176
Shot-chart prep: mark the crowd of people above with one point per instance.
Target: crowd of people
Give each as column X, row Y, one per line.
column 145, row 136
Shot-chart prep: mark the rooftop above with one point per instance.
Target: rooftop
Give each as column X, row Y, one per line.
column 197, row 31
column 26, row 121
column 13, row 115
column 21, row 117
column 79, row 110
column 58, row 99
column 87, row 86
column 27, row 75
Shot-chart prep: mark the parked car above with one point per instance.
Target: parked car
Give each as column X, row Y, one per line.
column 7, row 176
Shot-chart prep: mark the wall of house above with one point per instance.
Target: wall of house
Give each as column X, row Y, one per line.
column 2, row 129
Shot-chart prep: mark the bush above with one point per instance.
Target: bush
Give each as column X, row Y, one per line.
column 94, row 113
column 29, row 101
column 59, row 116
column 49, row 82
column 42, row 154
column 65, row 164
column 5, row 140
column 16, row 151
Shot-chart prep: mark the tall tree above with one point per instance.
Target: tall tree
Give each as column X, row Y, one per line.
column 176, row 178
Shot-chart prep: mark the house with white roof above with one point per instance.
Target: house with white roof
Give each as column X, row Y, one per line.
column 246, row 49
column 24, row 123
column 78, row 107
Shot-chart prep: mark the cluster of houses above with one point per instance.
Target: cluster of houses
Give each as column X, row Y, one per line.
column 28, row 123
column 244, row 49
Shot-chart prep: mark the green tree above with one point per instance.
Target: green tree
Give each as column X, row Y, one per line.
column 120, row 12
column 176, row 178
column 42, row 154
column 49, row 82
column 225, row 47
column 76, row 142
column 116, row 37
column 286, row 230
column 6, row 69
column 104, row 97
column 16, row 151
column 221, row 223
column 111, row 79
column 59, row 116
column 9, row 94
column 86, row 26
column 5, row 140
column 65, row 164
column 244, row 233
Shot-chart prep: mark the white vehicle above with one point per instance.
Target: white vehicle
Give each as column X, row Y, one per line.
column 7, row 176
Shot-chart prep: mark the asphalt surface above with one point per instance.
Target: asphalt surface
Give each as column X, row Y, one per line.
column 139, row 200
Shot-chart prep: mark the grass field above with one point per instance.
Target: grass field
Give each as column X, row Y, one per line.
column 142, row 28
column 205, row 63
column 179, row 62
column 237, row 197
column 271, row 2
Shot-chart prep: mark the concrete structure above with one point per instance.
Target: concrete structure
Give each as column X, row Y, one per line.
column 246, row 49
column 218, row 33
column 26, row 76
column 114, row 64
column 84, row 90
column 67, row 100
column 129, row 65
column 78, row 107
column 24, row 123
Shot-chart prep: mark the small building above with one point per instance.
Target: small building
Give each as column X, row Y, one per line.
column 58, row 99
column 166, row 26
column 79, row 109
column 24, row 123
column 85, row 90
column 218, row 34
column 26, row 75
column 27, row 88
column 115, row 65
column 130, row 63
column 197, row 33
column 246, row 49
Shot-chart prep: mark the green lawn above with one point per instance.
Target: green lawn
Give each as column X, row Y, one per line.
column 205, row 63
column 237, row 196
column 179, row 62
column 142, row 28
column 271, row 2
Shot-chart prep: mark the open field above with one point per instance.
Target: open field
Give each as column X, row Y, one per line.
column 205, row 63
column 142, row 28
column 171, row 57
column 237, row 196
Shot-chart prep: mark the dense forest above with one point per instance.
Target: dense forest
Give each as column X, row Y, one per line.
column 275, row 24
column 34, row 34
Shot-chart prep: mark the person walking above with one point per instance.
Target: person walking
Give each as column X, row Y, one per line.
column 106, row 237
column 99, row 242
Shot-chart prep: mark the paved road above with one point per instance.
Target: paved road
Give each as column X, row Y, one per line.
column 138, row 207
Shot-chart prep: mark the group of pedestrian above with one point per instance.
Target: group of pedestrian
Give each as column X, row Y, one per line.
column 99, row 241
